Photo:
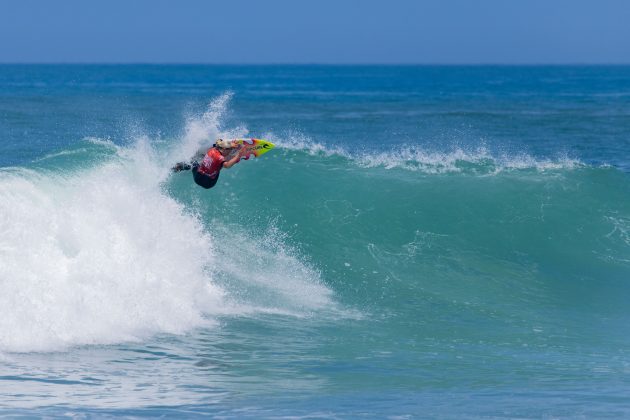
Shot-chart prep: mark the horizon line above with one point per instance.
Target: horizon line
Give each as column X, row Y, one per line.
column 323, row 64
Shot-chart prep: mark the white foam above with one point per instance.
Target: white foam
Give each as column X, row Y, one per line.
column 479, row 160
column 98, row 256
column 103, row 255
column 287, row 284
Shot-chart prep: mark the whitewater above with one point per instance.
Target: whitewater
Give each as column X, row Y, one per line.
column 113, row 258
column 441, row 242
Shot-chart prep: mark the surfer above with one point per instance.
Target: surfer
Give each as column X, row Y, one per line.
column 206, row 166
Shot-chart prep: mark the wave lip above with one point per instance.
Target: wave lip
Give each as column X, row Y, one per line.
column 479, row 161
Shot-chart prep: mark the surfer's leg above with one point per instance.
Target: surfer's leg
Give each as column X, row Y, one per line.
column 181, row 166
column 201, row 179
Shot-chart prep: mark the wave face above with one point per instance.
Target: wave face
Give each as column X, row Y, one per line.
column 433, row 242
column 516, row 232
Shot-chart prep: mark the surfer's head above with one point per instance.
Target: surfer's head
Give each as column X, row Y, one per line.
column 224, row 144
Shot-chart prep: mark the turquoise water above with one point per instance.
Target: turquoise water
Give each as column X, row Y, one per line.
column 425, row 241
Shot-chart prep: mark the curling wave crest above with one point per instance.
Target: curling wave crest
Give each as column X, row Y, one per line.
column 480, row 160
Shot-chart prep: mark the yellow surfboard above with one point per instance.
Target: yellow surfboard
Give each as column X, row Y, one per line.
column 256, row 147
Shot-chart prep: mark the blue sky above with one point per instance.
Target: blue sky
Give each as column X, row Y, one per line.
column 322, row 31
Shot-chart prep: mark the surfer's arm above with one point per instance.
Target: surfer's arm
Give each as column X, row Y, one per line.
column 233, row 161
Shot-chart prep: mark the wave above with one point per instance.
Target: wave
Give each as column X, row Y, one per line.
column 100, row 244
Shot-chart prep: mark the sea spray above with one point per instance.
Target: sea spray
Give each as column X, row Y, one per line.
column 98, row 256
column 101, row 254
column 200, row 132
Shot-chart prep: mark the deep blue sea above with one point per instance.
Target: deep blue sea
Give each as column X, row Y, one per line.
column 425, row 241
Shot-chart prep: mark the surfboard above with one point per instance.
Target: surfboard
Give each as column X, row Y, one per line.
column 248, row 147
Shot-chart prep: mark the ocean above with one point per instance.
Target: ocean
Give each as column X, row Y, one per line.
column 424, row 241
